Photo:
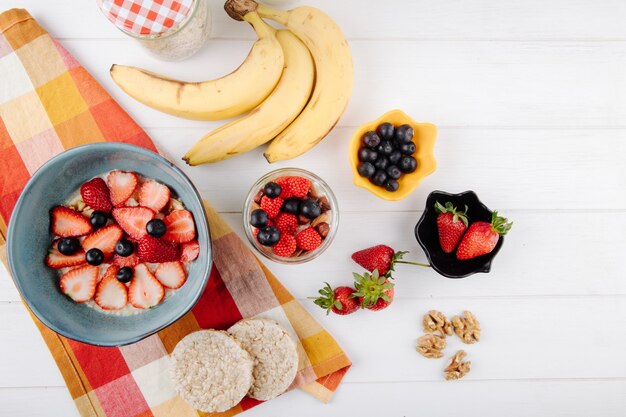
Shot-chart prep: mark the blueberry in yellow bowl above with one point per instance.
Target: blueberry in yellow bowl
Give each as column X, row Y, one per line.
column 109, row 243
column 391, row 155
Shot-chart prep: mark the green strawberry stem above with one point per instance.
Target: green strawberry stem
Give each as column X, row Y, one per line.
column 413, row 263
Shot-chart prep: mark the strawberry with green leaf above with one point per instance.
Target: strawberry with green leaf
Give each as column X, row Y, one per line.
column 382, row 258
column 375, row 291
column 451, row 224
column 340, row 301
column 482, row 237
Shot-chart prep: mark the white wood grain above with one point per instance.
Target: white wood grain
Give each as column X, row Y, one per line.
column 546, row 338
column 391, row 19
column 510, row 169
column 556, row 398
column 464, row 83
column 530, row 263
column 529, row 100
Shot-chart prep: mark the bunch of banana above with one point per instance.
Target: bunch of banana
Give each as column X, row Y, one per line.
column 222, row 98
column 294, row 107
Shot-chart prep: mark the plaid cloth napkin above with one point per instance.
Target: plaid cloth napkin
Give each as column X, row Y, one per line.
column 49, row 103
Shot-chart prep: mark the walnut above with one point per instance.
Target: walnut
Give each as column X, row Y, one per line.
column 324, row 204
column 457, row 369
column 323, row 229
column 467, row 327
column 258, row 197
column 322, row 218
column 435, row 321
column 431, row 345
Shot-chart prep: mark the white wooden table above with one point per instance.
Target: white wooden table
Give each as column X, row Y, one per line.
column 530, row 99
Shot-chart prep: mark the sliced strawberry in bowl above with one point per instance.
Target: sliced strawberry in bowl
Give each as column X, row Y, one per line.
column 95, row 194
column 145, row 291
column 104, row 239
column 189, row 251
column 156, row 250
column 57, row 260
column 180, row 227
column 122, row 261
column 133, row 220
column 65, row 222
column 121, row 186
column 171, row 274
column 110, row 293
column 80, row 283
column 154, row 195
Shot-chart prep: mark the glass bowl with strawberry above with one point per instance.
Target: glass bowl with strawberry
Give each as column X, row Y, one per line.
column 290, row 215
column 459, row 234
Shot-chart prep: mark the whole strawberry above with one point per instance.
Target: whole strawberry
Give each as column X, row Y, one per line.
column 293, row 186
column 95, row 194
column 308, row 239
column 482, row 237
column 451, row 224
column 271, row 205
column 382, row 258
column 340, row 300
column 375, row 291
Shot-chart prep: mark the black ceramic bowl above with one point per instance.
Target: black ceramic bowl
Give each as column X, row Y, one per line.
column 428, row 237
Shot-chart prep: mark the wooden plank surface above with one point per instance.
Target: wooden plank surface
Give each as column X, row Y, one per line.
column 529, row 100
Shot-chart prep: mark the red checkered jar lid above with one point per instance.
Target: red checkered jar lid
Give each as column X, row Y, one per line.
column 146, row 17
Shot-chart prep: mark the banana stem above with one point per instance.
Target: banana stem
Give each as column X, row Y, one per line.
column 279, row 16
column 262, row 29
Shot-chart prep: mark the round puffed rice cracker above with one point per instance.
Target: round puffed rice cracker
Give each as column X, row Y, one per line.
column 274, row 353
column 211, row 371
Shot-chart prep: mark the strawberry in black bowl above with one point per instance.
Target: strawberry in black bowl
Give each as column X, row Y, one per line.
column 459, row 234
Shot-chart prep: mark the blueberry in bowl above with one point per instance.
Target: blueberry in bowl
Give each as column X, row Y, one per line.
column 75, row 255
column 475, row 245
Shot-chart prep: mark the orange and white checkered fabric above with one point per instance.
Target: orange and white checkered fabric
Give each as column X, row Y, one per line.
column 146, row 17
column 49, row 103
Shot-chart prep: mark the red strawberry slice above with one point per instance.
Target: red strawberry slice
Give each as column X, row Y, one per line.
column 154, row 250
column 110, row 293
column 189, row 251
column 95, row 194
column 145, row 291
column 104, row 239
column 122, row 261
column 80, row 283
column 154, row 195
column 121, row 185
column 171, row 274
column 133, row 220
column 180, row 227
column 65, row 222
column 57, row 260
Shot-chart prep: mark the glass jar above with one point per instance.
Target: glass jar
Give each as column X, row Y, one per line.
column 319, row 190
column 166, row 38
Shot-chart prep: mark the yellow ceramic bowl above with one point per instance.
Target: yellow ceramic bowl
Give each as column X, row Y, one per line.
column 424, row 139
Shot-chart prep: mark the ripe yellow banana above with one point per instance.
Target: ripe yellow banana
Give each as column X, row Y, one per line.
column 268, row 119
column 333, row 85
column 222, row 98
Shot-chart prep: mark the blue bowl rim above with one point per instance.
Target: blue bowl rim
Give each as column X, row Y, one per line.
column 133, row 149
column 486, row 268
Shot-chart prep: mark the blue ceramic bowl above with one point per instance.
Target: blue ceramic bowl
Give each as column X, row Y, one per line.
column 29, row 238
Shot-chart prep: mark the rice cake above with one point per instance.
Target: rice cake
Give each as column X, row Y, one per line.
column 211, row 370
column 274, row 353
